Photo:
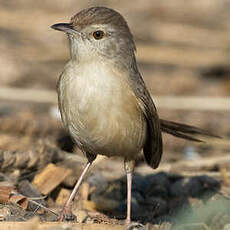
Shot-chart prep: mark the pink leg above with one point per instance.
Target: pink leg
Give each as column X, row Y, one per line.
column 129, row 189
column 66, row 211
column 129, row 168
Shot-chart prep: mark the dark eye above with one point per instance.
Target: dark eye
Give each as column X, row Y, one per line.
column 98, row 34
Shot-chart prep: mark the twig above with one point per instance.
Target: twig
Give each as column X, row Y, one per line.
column 42, row 206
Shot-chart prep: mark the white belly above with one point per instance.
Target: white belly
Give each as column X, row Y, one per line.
column 101, row 111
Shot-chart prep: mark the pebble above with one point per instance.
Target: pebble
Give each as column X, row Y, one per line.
column 4, row 213
column 81, row 216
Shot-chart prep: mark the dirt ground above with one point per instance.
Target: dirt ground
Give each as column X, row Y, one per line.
column 182, row 50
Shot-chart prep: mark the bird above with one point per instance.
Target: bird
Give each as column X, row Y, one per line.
column 103, row 100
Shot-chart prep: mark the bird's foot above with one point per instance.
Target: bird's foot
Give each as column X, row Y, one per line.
column 135, row 226
column 66, row 215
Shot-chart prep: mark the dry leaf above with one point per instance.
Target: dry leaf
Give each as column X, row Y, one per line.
column 20, row 200
column 5, row 192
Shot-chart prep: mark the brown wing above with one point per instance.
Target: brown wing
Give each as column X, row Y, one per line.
column 153, row 146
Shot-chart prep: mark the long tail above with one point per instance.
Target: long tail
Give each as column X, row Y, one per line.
column 184, row 131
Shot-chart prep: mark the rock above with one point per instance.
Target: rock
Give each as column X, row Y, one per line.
column 63, row 196
column 158, row 185
column 81, row 216
column 4, row 213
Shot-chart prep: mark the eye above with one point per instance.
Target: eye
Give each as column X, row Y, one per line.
column 98, row 34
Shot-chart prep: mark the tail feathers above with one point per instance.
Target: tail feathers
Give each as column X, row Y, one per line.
column 184, row 131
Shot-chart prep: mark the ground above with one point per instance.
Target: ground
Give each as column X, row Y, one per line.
column 182, row 50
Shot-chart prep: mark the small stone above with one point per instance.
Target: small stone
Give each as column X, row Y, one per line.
column 84, row 191
column 62, row 196
column 89, row 205
column 81, row 216
column 4, row 213
column 135, row 226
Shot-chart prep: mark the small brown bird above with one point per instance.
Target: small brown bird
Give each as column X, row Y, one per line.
column 103, row 100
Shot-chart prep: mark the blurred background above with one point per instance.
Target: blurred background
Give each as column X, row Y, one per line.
column 183, row 50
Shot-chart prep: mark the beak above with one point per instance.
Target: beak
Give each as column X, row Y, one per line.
column 65, row 27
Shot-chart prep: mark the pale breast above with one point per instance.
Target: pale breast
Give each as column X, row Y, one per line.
column 101, row 111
